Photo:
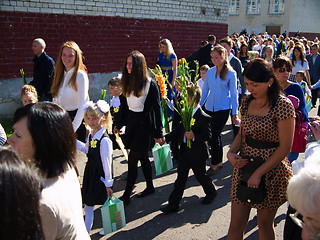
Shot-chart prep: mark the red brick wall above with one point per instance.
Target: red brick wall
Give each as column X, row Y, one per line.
column 105, row 41
column 307, row 35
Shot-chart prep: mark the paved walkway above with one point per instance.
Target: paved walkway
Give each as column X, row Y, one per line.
column 194, row 221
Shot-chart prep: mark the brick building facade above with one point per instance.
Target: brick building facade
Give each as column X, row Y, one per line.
column 105, row 30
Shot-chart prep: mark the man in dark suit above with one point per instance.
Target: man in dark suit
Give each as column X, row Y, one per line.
column 192, row 158
column 43, row 70
column 204, row 52
column 314, row 70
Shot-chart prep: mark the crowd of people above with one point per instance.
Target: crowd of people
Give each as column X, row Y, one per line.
column 264, row 83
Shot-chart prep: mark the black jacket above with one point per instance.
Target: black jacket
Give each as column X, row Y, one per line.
column 43, row 73
column 202, row 132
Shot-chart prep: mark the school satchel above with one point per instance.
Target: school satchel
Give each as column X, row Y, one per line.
column 248, row 194
column 300, row 134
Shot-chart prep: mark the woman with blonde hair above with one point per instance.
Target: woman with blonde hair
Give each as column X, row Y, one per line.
column 167, row 60
column 71, row 84
column 219, row 96
column 290, row 49
column 268, row 54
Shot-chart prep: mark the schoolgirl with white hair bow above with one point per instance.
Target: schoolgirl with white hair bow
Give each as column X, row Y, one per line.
column 97, row 179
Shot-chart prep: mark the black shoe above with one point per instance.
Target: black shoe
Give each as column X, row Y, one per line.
column 210, row 172
column 169, row 209
column 208, row 199
column 125, row 200
column 145, row 192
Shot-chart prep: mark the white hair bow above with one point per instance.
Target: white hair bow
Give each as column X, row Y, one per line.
column 103, row 106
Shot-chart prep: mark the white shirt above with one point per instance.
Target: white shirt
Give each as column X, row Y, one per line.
column 70, row 99
column 61, row 208
column 115, row 102
column 200, row 82
column 105, row 154
column 136, row 104
column 298, row 67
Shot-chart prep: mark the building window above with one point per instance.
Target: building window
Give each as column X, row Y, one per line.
column 234, row 7
column 253, row 6
column 276, row 6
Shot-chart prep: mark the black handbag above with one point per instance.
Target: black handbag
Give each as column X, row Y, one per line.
column 248, row 194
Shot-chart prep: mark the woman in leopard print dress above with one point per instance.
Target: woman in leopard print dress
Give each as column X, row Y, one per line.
column 267, row 130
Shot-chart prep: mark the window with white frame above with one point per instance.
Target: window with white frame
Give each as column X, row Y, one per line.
column 253, row 6
column 234, row 7
column 276, row 6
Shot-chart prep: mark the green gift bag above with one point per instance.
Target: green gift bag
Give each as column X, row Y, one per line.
column 162, row 158
column 113, row 217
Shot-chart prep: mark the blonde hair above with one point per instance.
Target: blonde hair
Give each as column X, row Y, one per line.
column 28, row 90
column 204, row 67
column 60, row 68
column 168, row 44
column 268, row 47
column 95, row 111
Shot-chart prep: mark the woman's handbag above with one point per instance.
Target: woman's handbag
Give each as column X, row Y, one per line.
column 248, row 194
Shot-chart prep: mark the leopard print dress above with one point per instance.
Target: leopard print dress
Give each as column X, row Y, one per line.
column 265, row 128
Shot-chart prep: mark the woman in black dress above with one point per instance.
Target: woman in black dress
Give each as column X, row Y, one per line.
column 140, row 112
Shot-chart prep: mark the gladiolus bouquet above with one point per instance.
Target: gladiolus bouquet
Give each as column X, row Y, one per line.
column 161, row 80
column 23, row 76
column 183, row 108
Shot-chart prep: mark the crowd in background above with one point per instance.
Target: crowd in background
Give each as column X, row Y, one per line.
column 234, row 81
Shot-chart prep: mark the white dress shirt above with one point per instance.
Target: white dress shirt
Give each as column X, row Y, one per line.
column 70, row 99
column 136, row 104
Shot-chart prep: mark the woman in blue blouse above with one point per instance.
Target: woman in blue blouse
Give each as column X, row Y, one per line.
column 282, row 67
column 167, row 60
column 219, row 93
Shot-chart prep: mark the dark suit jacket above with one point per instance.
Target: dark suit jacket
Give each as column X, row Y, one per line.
column 204, row 55
column 43, row 73
column 237, row 66
column 314, row 69
column 202, row 132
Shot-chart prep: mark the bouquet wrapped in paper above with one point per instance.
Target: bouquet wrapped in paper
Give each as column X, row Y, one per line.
column 182, row 107
column 161, row 80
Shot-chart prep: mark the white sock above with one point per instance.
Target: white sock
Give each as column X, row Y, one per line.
column 88, row 219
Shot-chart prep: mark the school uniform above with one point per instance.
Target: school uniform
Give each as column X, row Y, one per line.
column 142, row 118
column 99, row 152
column 115, row 103
column 192, row 158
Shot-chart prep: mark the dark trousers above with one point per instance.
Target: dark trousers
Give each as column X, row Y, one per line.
column 291, row 230
column 133, row 158
column 314, row 98
column 218, row 121
column 198, row 167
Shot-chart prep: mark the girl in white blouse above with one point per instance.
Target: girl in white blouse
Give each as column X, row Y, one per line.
column 71, row 84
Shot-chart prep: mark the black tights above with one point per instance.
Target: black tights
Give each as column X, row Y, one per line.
column 133, row 158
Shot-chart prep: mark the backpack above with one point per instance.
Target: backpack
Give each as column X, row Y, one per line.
column 301, row 129
column 300, row 134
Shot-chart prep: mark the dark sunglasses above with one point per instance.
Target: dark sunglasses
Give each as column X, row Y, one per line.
column 284, row 69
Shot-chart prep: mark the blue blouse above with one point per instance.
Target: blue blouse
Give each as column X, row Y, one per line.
column 220, row 94
column 164, row 62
